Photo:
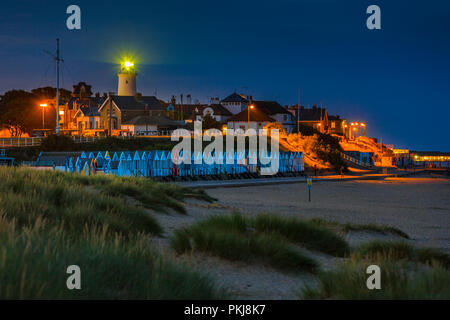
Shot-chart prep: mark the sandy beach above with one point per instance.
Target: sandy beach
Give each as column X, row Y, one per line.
column 419, row 206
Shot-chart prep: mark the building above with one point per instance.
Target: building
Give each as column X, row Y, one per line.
column 431, row 159
column 217, row 111
column 275, row 111
column 125, row 108
column 88, row 121
column 81, row 99
column 149, row 125
column 235, row 103
column 253, row 118
column 319, row 119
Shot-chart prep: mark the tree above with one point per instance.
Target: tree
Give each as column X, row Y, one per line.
column 209, row 122
column 20, row 111
column 50, row 93
column 13, row 109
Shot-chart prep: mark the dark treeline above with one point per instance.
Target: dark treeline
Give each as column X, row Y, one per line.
column 20, row 110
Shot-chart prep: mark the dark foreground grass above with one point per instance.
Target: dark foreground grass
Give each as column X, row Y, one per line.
column 27, row 195
column 50, row 220
column 35, row 259
column 267, row 239
column 153, row 195
column 398, row 281
column 397, row 250
column 347, row 227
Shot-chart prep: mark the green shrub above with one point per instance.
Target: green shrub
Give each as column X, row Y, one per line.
column 58, row 143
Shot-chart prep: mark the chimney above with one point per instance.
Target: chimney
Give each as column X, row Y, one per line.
column 97, row 94
column 139, row 96
column 188, row 99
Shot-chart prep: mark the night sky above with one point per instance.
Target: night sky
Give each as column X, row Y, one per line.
column 396, row 79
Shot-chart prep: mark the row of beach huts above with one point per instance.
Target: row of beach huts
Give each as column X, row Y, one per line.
column 158, row 163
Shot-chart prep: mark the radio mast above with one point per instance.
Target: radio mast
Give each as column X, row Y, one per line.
column 58, row 60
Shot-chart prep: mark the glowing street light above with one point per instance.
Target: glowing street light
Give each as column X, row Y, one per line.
column 248, row 115
column 43, row 106
column 364, row 126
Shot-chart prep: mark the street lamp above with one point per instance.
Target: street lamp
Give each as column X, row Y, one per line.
column 43, row 105
column 248, row 115
column 364, row 126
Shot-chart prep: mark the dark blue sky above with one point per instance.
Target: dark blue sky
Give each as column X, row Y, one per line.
column 395, row 79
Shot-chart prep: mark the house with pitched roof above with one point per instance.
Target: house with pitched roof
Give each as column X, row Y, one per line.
column 88, row 121
column 235, row 103
column 275, row 111
column 260, row 114
column 319, row 119
column 149, row 125
column 81, row 99
column 217, row 111
column 121, row 109
column 253, row 118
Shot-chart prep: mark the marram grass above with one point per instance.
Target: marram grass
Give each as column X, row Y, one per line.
column 398, row 281
column 27, row 195
column 34, row 260
column 50, row 220
column 267, row 239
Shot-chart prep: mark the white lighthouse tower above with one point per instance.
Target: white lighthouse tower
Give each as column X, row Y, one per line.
column 127, row 79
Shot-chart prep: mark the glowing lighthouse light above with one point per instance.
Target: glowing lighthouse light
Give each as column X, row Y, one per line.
column 128, row 64
column 127, row 78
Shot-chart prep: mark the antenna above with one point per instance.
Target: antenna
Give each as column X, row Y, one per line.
column 58, row 60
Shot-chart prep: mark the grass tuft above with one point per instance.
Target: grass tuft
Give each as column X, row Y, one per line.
column 395, row 251
column 398, row 281
column 385, row 250
column 264, row 238
column 347, row 227
column 304, row 233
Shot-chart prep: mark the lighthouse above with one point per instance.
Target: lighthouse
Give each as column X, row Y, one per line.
column 127, row 79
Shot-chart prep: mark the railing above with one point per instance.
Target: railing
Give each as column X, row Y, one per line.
column 36, row 141
column 355, row 161
column 20, row 142
column 93, row 139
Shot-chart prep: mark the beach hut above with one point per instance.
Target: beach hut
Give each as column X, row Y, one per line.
column 155, row 164
column 136, row 165
column 149, row 163
column 169, row 164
